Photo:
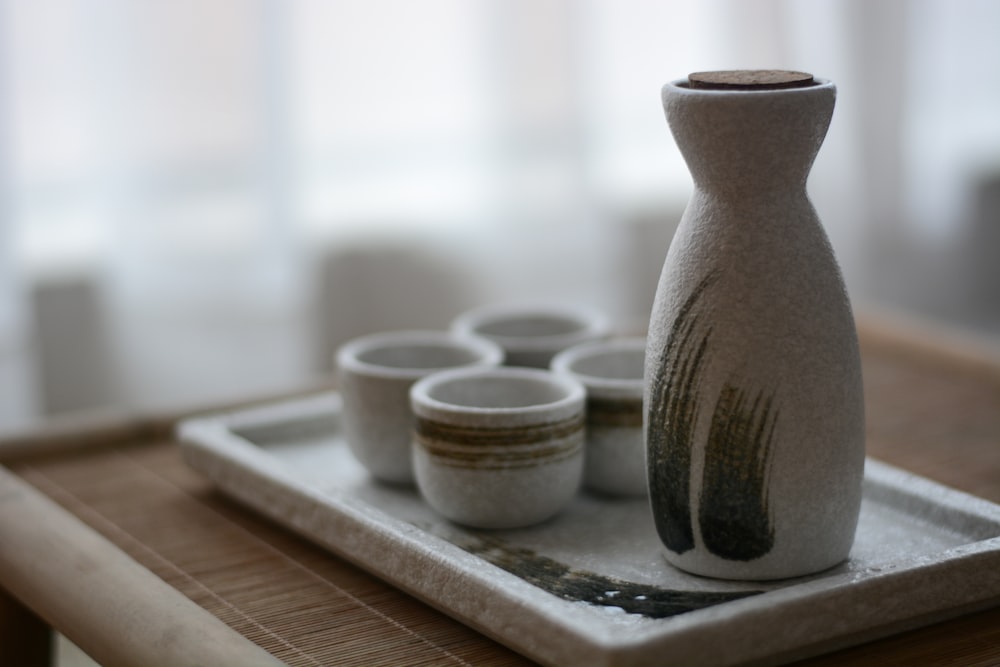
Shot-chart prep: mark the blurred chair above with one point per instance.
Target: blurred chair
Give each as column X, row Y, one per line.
column 380, row 285
column 74, row 365
column 982, row 247
column 646, row 236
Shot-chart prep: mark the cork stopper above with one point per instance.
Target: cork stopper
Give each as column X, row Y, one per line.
column 750, row 79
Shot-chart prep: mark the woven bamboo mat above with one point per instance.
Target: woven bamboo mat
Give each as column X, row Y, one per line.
column 936, row 416
column 291, row 598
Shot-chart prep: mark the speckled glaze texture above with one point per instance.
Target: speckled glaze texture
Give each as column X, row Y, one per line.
column 375, row 373
column 754, row 414
column 498, row 448
column 612, row 373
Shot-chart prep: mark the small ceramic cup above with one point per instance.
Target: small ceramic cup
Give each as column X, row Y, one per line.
column 374, row 375
column 612, row 373
column 531, row 335
column 498, row 448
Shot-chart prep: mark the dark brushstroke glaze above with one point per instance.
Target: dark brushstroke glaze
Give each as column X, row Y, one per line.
column 673, row 414
column 472, row 436
column 733, row 504
column 733, row 511
column 614, row 413
column 486, row 448
column 582, row 586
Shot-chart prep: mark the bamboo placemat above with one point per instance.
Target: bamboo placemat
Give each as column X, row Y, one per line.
column 289, row 597
column 933, row 413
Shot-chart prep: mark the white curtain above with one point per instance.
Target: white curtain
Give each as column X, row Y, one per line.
column 194, row 161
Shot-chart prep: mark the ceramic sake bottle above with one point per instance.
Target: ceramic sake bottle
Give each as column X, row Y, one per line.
column 754, row 417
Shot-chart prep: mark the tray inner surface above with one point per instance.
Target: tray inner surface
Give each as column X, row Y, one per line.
column 603, row 551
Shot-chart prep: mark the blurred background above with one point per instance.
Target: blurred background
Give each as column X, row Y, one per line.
column 199, row 199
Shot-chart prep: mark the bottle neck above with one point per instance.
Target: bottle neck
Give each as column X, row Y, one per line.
column 749, row 144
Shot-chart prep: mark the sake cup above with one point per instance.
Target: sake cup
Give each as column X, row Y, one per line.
column 531, row 335
column 374, row 375
column 612, row 373
column 498, row 448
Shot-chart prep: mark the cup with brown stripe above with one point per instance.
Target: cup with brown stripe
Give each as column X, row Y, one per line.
column 612, row 372
column 374, row 375
column 498, row 447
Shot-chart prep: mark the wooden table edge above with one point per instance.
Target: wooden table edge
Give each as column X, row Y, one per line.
column 116, row 610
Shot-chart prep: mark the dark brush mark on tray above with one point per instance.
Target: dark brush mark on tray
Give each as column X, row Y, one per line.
column 733, row 505
column 673, row 414
column 582, row 586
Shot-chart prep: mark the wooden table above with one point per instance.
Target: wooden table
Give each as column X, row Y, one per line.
column 108, row 537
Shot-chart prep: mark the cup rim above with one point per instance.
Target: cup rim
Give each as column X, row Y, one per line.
column 427, row 407
column 348, row 355
column 592, row 324
column 563, row 363
column 681, row 87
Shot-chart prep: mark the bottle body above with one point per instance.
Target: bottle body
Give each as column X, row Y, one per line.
column 754, row 415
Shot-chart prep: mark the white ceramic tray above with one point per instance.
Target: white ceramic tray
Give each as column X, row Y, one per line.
column 590, row 586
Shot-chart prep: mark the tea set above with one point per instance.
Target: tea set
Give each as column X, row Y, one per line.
column 502, row 419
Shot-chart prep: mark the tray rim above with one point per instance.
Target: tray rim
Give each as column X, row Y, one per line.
column 373, row 540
